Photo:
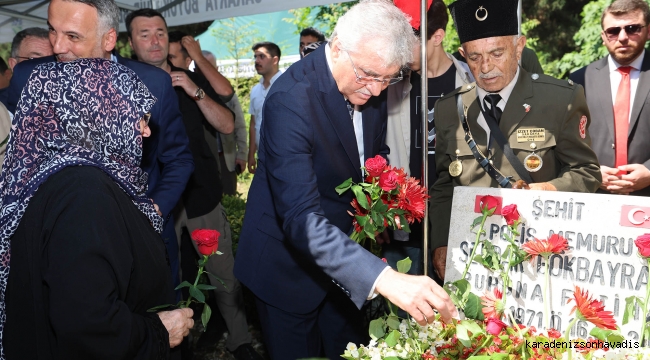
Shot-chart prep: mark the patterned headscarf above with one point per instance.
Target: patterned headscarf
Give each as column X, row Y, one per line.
column 84, row 112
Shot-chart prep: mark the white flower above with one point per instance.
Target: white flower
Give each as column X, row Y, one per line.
column 372, row 343
column 351, row 347
column 403, row 327
column 422, row 336
column 376, row 357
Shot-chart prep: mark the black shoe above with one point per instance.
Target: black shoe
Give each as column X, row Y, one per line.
column 246, row 352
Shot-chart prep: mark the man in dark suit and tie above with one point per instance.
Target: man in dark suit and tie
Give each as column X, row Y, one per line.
column 88, row 28
column 618, row 95
column 294, row 252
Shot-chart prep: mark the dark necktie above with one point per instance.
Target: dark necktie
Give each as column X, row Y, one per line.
column 350, row 108
column 493, row 109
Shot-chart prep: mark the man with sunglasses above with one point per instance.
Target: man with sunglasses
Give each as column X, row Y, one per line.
column 322, row 119
column 618, row 91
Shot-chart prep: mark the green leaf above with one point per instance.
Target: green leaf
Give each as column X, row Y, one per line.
column 473, row 307
column 607, row 335
column 217, row 278
column 361, row 220
column 369, row 230
column 344, row 186
column 476, row 222
column 463, row 286
column 404, row 265
column 205, row 287
column 376, row 329
column 473, row 327
column 463, row 337
column 182, row 285
column 205, row 316
column 391, row 339
column 404, row 223
column 361, row 197
column 393, row 322
column 380, row 207
column 629, row 308
column 197, row 294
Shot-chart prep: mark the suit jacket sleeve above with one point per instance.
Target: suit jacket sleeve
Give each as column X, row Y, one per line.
column 173, row 152
column 241, row 135
column 287, row 145
column 580, row 170
column 17, row 83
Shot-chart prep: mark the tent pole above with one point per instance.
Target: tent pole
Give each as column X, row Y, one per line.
column 424, row 111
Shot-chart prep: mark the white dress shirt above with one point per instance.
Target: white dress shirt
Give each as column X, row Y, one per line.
column 615, row 78
column 356, row 118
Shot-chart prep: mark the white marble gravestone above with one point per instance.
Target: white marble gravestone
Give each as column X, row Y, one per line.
column 602, row 259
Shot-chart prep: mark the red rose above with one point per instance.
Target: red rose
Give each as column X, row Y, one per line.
column 401, row 176
column 510, row 213
column 494, row 326
column 206, row 240
column 388, row 180
column 375, row 166
column 643, row 244
column 489, row 202
column 554, row 334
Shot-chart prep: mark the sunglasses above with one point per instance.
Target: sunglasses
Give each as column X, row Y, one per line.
column 612, row 32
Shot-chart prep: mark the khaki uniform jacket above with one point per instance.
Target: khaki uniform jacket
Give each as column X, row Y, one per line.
column 556, row 106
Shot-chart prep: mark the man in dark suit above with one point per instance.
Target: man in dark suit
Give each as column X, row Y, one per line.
column 618, row 88
column 88, row 28
column 294, row 252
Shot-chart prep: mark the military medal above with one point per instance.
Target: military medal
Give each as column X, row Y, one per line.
column 533, row 162
column 456, row 167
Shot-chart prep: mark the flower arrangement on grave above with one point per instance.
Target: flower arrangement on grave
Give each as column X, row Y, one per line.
column 490, row 330
column 387, row 198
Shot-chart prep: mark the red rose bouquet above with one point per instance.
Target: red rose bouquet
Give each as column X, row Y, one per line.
column 207, row 241
column 388, row 197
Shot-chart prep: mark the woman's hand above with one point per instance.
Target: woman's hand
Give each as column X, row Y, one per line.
column 178, row 324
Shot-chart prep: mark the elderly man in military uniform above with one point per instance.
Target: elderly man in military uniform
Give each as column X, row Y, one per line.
column 510, row 128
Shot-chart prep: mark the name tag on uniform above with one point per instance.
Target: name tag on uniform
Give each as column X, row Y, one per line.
column 532, row 134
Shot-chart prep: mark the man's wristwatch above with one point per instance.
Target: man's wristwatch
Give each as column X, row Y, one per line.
column 200, row 94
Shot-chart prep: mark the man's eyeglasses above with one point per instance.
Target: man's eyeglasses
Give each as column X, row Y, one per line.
column 612, row 32
column 24, row 57
column 367, row 80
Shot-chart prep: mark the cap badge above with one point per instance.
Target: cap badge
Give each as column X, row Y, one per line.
column 484, row 13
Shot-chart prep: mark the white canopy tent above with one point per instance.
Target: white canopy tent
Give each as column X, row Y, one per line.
column 16, row 15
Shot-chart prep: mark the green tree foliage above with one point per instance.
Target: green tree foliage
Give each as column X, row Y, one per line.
column 238, row 39
column 556, row 22
column 588, row 43
column 320, row 17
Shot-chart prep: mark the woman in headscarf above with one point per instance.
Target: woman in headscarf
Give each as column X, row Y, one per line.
column 80, row 257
